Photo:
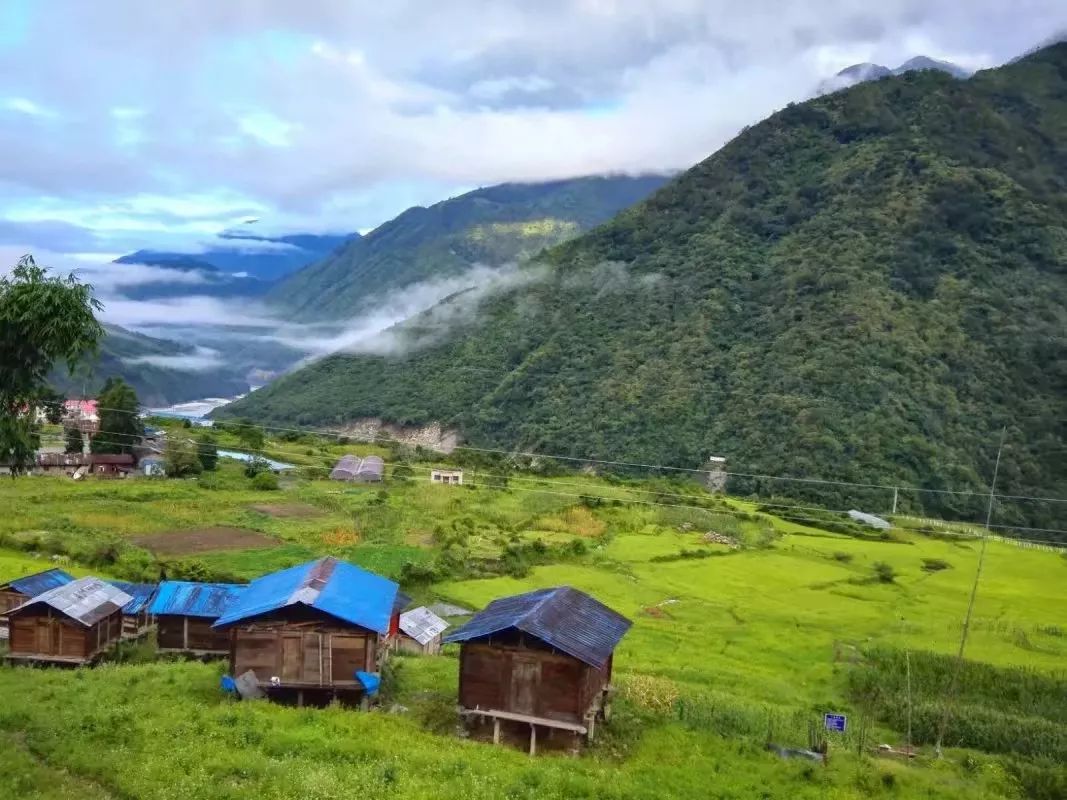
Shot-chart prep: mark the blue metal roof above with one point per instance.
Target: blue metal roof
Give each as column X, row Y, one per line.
column 334, row 587
column 184, row 599
column 40, row 582
column 140, row 592
column 569, row 620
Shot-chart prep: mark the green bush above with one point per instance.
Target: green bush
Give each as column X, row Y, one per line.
column 884, row 573
column 935, row 564
column 265, row 482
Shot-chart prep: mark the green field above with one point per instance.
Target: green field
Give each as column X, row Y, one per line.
column 730, row 648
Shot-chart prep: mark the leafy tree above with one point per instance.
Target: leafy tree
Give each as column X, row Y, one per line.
column 181, row 458
column 256, row 466
column 51, row 403
column 44, row 320
column 75, row 441
column 208, row 452
column 121, row 427
column 248, row 434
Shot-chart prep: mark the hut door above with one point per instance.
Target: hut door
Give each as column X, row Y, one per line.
column 292, row 645
column 44, row 636
column 525, row 680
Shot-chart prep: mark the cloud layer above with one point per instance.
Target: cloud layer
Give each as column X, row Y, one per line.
column 320, row 117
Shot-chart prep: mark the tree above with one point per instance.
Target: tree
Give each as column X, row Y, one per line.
column 256, row 466
column 44, row 320
column 208, row 452
column 121, row 428
column 181, row 458
column 51, row 403
column 75, row 441
column 248, row 434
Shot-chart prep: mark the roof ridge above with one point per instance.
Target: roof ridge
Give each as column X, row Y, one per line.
column 536, row 607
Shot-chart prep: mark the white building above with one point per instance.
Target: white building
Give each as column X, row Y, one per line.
column 451, row 477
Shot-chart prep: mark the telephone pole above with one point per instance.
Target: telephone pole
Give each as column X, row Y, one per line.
column 970, row 605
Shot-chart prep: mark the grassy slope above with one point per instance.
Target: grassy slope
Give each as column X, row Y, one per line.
column 490, row 226
column 751, row 632
column 866, row 286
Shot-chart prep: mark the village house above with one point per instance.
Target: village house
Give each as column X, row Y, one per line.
column 71, row 624
column 16, row 592
column 184, row 613
column 447, row 477
column 61, row 463
column 81, row 414
column 135, row 617
column 111, row 465
column 420, row 632
column 541, row 659
column 313, row 632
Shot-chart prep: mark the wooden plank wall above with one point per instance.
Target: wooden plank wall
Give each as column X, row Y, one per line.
column 44, row 633
column 304, row 654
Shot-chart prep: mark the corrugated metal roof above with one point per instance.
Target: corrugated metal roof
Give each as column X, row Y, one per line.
column 569, row 620
column 140, row 592
column 351, row 468
column 422, row 625
column 86, row 600
column 185, row 599
column 334, row 587
column 39, row 582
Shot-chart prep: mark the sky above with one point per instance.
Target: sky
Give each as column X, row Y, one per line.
column 129, row 124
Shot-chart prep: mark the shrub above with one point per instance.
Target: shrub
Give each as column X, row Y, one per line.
column 651, row 692
column 935, row 564
column 255, row 466
column 265, row 482
column 843, row 557
column 884, row 573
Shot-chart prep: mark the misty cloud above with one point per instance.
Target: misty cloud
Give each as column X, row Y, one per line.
column 202, row 359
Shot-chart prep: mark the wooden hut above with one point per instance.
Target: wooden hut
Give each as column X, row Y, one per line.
column 16, row 592
column 135, row 617
column 541, row 659
column 420, row 632
column 70, row 624
column 312, row 631
column 185, row 612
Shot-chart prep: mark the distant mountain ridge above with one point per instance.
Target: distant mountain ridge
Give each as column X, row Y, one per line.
column 865, row 287
column 859, row 73
column 492, row 226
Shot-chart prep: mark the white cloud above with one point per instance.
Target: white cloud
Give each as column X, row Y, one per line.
column 202, row 359
column 21, row 105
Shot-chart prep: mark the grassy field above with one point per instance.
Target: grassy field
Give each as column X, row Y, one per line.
column 732, row 646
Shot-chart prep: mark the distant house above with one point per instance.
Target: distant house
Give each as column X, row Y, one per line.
column 313, row 630
column 111, row 465
column 81, row 414
column 359, row 470
column 447, row 476
column 61, row 463
column 541, row 659
column 135, row 617
column 16, row 592
column 70, row 624
column 185, row 612
column 420, row 632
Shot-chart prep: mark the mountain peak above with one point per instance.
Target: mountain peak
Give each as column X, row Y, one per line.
column 919, row 63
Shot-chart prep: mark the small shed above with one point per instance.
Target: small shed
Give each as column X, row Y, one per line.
column 448, row 477
column 16, row 592
column 61, row 463
column 308, row 630
column 420, row 632
column 359, row 470
column 112, row 465
column 70, row 624
column 185, row 612
column 541, row 659
column 135, row 617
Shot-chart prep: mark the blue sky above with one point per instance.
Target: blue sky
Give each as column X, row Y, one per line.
column 131, row 124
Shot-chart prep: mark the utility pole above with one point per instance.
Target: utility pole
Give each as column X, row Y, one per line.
column 896, row 489
column 970, row 605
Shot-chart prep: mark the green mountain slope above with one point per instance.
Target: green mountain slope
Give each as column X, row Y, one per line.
column 156, row 368
column 492, row 226
column 864, row 287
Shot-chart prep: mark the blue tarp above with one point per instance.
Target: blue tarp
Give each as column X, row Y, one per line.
column 569, row 620
column 40, row 582
column 185, row 599
column 371, row 683
column 140, row 592
column 342, row 590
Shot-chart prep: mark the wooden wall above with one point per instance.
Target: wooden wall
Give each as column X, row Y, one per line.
column 45, row 634
column 191, row 634
column 304, row 653
column 528, row 680
column 10, row 599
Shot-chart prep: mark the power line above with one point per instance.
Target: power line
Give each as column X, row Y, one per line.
column 689, row 470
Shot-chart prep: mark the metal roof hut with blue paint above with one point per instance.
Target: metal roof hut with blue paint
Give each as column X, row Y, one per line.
column 135, row 617
column 69, row 624
column 306, row 632
column 185, row 613
column 541, row 659
column 18, row 590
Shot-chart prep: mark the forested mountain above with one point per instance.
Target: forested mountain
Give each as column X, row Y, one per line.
column 865, row 287
column 859, row 73
column 158, row 369
column 490, row 226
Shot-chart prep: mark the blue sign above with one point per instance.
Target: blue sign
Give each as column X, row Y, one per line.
column 835, row 722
